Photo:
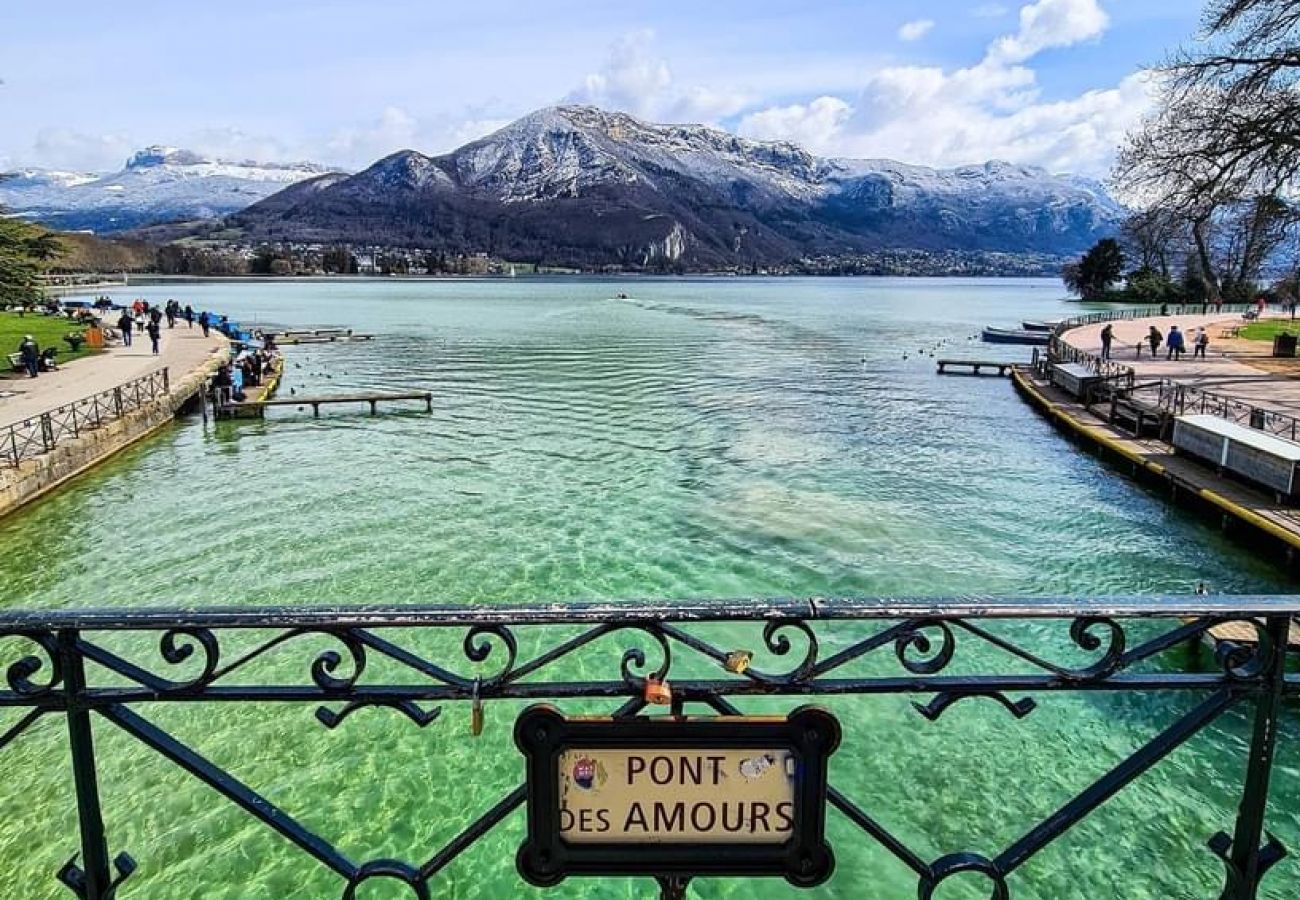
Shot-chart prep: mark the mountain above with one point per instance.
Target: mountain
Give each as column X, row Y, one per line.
column 581, row 186
column 158, row 184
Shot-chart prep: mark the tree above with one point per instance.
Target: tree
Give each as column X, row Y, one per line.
column 25, row 253
column 1099, row 270
column 1225, row 124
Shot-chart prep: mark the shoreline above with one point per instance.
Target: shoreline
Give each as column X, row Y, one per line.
column 1239, row 508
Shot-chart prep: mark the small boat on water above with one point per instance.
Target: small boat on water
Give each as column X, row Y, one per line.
column 992, row 335
column 1032, row 325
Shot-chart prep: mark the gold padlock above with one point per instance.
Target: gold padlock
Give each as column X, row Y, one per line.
column 737, row 661
column 658, row 692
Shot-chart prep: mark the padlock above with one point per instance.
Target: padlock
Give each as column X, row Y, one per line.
column 476, row 712
column 737, row 661
column 658, row 692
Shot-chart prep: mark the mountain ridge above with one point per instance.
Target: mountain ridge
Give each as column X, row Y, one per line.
column 577, row 185
column 157, row 184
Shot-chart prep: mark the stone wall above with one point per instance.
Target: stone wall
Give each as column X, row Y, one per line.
column 37, row 477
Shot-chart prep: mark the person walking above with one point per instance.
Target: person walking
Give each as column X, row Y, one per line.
column 30, row 353
column 1154, row 337
column 126, row 325
column 155, row 332
column 204, row 322
column 189, row 315
column 1174, row 343
column 171, row 313
column 1200, row 344
column 1107, row 335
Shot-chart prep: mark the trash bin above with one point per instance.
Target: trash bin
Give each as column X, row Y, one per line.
column 95, row 338
column 1284, row 345
column 1257, row 416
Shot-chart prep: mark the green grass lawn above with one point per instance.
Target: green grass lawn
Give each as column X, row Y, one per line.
column 1266, row 331
column 48, row 332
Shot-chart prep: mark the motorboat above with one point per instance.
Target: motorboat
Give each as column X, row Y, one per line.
column 1040, row 325
column 992, row 335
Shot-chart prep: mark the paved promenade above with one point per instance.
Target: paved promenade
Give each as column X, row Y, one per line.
column 1233, row 367
column 182, row 351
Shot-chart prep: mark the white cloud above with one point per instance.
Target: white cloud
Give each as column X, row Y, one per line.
column 914, row 31
column 66, row 148
column 812, row 125
column 636, row 80
column 1050, row 23
column 989, row 110
column 397, row 129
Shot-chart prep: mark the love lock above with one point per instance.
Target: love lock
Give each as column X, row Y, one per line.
column 658, row 692
column 476, row 711
column 737, row 661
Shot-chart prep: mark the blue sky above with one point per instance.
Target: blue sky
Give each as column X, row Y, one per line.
column 938, row 82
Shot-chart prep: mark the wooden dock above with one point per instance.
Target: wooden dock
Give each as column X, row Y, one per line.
column 974, row 365
column 255, row 407
column 254, row 395
column 1245, row 634
column 323, row 339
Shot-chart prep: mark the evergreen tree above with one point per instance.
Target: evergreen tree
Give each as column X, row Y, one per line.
column 25, row 252
column 1097, row 272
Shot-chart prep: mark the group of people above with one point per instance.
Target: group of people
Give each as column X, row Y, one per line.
column 248, row 369
column 1175, row 342
column 147, row 318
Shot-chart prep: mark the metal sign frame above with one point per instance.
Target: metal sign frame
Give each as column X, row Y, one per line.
column 542, row 734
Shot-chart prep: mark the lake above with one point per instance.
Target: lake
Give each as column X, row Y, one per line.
column 706, row 438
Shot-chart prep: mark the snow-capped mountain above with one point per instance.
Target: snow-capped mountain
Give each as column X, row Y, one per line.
column 158, row 184
column 584, row 186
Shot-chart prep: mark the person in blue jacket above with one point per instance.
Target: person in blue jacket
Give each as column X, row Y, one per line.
column 1174, row 343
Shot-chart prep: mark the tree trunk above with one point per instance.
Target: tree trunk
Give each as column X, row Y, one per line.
column 1207, row 265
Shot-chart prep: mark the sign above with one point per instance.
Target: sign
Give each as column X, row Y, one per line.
column 676, row 796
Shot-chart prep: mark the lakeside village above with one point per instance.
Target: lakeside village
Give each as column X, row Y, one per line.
column 253, row 368
column 289, row 259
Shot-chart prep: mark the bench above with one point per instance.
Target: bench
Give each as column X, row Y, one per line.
column 1254, row 455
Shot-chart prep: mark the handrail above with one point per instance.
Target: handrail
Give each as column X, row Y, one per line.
column 40, row 434
column 96, row 668
column 1180, row 399
column 643, row 611
column 1059, row 350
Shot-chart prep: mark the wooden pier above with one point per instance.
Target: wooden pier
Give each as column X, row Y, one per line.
column 348, row 338
column 974, row 365
column 255, row 407
column 254, row 395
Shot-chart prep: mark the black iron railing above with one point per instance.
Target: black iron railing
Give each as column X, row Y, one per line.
column 1181, row 399
column 926, row 649
column 41, row 434
column 1118, row 375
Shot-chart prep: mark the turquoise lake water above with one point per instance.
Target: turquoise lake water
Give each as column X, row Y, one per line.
column 708, row 438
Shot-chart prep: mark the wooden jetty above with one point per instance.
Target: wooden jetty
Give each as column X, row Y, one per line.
column 974, row 365
column 256, row 407
column 310, row 332
column 1244, row 633
column 262, row 393
column 324, row 339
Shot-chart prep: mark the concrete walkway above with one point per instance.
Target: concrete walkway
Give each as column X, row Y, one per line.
column 1236, row 368
column 183, row 350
